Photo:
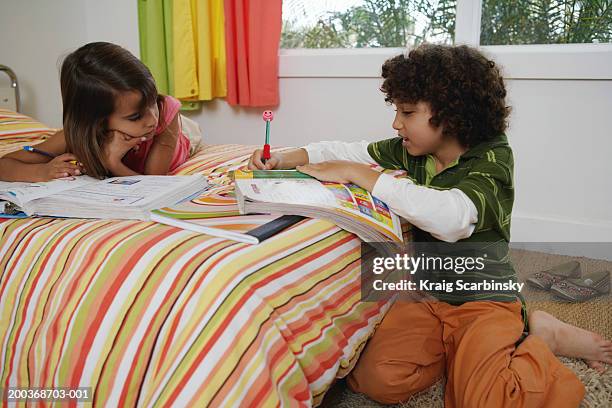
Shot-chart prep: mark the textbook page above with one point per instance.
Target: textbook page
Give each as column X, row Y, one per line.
column 131, row 190
column 292, row 188
column 20, row 192
column 112, row 198
column 306, row 192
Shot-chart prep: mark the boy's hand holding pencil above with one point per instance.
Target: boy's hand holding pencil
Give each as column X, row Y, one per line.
column 264, row 159
column 256, row 162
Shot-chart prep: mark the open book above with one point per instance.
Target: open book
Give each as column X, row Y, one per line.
column 130, row 197
column 291, row 192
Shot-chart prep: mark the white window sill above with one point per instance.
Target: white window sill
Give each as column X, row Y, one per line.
column 556, row 61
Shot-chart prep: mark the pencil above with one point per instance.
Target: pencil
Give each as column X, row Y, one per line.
column 35, row 150
column 267, row 117
column 51, row 155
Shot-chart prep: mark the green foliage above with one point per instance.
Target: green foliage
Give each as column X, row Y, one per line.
column 391, row 23
column 440, row 16
column 545, row 21
column 375, row 23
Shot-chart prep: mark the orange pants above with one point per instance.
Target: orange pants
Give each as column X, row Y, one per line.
column 474, row 345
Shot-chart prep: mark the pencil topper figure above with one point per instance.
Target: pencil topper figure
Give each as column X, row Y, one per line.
column 268, row 116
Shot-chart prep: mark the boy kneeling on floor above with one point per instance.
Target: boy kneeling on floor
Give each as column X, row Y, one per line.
column 450, row 118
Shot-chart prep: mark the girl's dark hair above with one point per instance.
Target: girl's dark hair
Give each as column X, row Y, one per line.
column 464, row 89
column 90, row 79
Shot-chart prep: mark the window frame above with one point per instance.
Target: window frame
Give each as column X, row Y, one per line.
column 537, row 61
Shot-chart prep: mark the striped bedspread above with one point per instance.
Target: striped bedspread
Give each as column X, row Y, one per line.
column 151, row 315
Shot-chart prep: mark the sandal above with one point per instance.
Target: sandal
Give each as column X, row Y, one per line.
column 585, row 288
column 545, row 279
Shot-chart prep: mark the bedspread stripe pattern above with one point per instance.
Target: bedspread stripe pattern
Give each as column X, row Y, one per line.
column 155, row 310
column 151, row 315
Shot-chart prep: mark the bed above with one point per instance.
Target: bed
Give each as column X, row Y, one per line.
column 152, row 315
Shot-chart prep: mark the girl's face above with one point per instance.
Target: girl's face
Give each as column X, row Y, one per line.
column 412, row 125
column 130, row 119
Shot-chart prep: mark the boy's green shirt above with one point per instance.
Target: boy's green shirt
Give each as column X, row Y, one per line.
column 485, row 174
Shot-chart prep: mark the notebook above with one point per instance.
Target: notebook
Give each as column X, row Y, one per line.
column 212, row 215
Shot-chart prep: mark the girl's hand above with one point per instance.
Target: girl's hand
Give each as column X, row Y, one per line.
column 117, row 146
column 60, row 167
column 255, row 163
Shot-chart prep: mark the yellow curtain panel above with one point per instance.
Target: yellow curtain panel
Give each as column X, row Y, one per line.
column 183, row 43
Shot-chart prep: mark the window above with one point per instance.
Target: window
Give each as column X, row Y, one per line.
column 401, row 23
column 575, row 36
column 545, row 22
column 366, row 23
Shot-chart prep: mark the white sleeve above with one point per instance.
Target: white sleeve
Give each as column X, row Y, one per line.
column 448, row 215
column 353, row 151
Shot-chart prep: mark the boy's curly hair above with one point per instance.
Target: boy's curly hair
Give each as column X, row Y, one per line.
column 465, row 90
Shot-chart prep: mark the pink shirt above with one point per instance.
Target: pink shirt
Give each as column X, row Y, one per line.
column 135, row 160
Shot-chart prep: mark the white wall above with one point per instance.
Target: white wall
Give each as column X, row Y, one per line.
column 561, row 134
column 37, row 34
column 560, row 129
column 311, row 109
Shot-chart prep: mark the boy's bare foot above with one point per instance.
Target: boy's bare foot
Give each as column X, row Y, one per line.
column 570, row 341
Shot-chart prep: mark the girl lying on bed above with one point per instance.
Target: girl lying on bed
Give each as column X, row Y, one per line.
column 115, row 123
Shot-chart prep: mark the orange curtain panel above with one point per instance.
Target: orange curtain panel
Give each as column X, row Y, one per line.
column 252, row 36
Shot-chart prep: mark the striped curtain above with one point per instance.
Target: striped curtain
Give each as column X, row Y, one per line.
column 202, row 49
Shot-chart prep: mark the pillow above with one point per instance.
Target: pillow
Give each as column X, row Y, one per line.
column 18, row 130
